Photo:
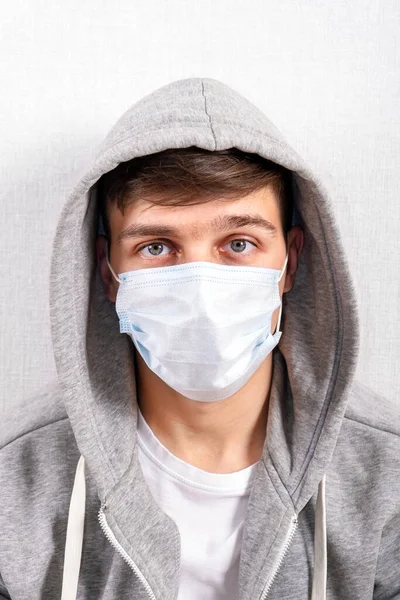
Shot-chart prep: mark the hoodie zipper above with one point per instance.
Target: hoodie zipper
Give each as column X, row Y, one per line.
column 282, row 554
column 113, row 541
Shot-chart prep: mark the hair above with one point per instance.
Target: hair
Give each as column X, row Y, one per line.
column 187, row 176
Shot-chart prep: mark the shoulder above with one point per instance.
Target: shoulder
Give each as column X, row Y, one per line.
column 43, row 410
column 38, row 455
column 370, row 409
column 366, row 459
column 368, row 446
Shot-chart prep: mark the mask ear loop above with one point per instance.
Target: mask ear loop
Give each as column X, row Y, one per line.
column 110, row 267
column 280, row 308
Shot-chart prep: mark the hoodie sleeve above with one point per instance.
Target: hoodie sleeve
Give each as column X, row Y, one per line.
column 387, row 578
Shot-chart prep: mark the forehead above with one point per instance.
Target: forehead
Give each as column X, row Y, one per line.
column 199, row 218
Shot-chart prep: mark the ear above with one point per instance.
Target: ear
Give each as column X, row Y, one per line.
column 295, row 247
column 110, row 285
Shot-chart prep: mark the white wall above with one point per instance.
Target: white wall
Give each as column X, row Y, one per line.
column 326, row 73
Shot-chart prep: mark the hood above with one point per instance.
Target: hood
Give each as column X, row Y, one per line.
column 314, row 364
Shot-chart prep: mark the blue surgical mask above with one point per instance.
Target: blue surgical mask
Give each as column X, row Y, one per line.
column 203, row 328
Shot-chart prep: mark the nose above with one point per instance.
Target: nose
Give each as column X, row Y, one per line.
column 198, row 252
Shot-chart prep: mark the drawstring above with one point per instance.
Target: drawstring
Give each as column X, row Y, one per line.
column 73, row 544
column 76, row 522
column 320, row 554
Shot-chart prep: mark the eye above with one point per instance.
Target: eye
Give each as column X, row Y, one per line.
column 154, row 249
column 240, row 246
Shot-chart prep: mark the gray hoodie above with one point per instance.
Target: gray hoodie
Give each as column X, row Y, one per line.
column 324, row 509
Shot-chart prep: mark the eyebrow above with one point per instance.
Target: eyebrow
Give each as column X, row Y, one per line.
column 219, row 224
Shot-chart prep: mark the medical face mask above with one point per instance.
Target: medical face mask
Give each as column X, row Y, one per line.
column 203, row 328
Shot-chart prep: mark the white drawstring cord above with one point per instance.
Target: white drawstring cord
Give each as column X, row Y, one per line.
column 320, row 553
column 74, row 540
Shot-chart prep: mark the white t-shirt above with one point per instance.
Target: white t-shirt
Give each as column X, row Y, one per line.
column 208, row 509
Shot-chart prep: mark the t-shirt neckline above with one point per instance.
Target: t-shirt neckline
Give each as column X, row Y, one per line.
column 237, row 483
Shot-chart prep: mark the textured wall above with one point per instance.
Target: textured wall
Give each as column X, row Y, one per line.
column 326, row 73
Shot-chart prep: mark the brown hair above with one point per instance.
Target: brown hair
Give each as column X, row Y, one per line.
column 185, row 176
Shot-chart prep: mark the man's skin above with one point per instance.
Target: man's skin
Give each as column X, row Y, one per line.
column 228, row 435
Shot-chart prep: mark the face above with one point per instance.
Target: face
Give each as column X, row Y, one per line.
column 246, row 231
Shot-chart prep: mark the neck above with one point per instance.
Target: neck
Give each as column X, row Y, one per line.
column 219, row 437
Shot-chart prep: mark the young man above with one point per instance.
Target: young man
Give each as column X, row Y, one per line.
column 221, row 448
